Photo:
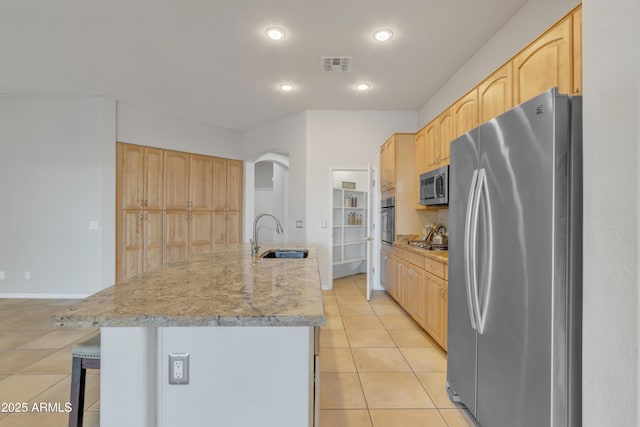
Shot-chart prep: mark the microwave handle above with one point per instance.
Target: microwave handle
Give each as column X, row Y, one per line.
column 439, row 186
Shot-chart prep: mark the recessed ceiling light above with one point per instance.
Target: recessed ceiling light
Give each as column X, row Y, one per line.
column 383, row 35
column 286, row 87
column 363, row 86
column 275, row 33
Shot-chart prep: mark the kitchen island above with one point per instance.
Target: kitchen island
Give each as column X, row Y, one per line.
column 248, row 324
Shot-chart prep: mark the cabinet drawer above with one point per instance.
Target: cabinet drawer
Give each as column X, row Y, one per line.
column 413, row 258
column 435, row 267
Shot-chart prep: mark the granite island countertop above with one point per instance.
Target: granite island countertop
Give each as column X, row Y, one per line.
column 227, row 287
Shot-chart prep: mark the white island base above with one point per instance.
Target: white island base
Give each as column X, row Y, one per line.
column 239, row 376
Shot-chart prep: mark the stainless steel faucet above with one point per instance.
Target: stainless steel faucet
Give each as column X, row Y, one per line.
column 254, row 242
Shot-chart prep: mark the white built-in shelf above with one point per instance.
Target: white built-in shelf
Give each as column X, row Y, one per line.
column 349, row 244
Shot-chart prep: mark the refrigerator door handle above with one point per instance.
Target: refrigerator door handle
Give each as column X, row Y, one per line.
column 468, row 272
column 482, row 193
column 473, row 249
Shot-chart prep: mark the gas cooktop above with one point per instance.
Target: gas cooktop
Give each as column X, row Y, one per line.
column 429, row 246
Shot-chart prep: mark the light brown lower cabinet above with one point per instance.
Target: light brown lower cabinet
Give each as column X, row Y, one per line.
column 419, row 286
column 200, row 231
column 186, row 233
column 226, row 227
column 435, row 321
column 176, row 235
column 142, row 241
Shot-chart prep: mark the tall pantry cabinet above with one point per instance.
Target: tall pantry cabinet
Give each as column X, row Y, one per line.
column 141, row 184
column 167, row 209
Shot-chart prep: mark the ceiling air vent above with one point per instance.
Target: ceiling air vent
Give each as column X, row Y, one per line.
column 341, row 64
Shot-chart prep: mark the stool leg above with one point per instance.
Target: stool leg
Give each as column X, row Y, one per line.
column 78, row 375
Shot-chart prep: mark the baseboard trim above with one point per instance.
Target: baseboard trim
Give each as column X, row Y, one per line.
column 44, row 296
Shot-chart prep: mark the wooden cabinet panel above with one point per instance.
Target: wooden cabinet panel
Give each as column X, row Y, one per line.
column 431, row 145
column 465, row 117
column 132, row 243
column 152, row 239
column 132, row 177
column 219, row 184
column 387, row 165
column 200, row 232
column 176, row 236
column 234, row 185
column 219, row 228
column 418, row 299
column 495, row 94
column 142, row 242
column 577, row 52
column 420, row 152
column 406, row 285
column 200, row 183
column 445, row 136
column 435, row 316
column 434, row 267
column 234, row 233
column 545, row 63
column 176, row 180
column 153, row 178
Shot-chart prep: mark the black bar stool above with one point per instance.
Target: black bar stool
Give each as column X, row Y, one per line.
column 86, row 355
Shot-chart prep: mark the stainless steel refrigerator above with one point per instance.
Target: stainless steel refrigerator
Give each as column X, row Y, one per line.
column 515, row 261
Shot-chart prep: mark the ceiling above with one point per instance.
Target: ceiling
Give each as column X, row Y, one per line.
column 209, row 60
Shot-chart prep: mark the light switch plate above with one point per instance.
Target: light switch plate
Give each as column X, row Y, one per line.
column 93, row 225
column 1, row 275
column 298, row 223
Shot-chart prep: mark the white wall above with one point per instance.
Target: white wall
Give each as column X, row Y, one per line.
column 53, row 153
column 144, row 126
column 286, row 136
column 611, row 138
column 528, row 23
column 343, row 140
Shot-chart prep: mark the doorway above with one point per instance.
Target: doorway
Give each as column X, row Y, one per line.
column 271, row 185
column 351, row 223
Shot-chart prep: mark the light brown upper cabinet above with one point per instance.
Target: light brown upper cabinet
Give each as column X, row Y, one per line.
column 545, row 63
column 388, row 165
column 577, row 52
column 445, row 136
column 234, row 185
column 141, row 171
column 431, row 145
column 176, row 180
column 465, row 117
column 495, row 95
column 420, row 151
column 200, row 183
column 227, row 184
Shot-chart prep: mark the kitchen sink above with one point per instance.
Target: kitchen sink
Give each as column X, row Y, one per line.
column 285, row 253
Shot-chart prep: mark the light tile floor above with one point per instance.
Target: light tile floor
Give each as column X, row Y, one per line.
column 35, row 365
column 378, row 368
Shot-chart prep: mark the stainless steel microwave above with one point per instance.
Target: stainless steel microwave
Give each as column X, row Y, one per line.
column 434, row 187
